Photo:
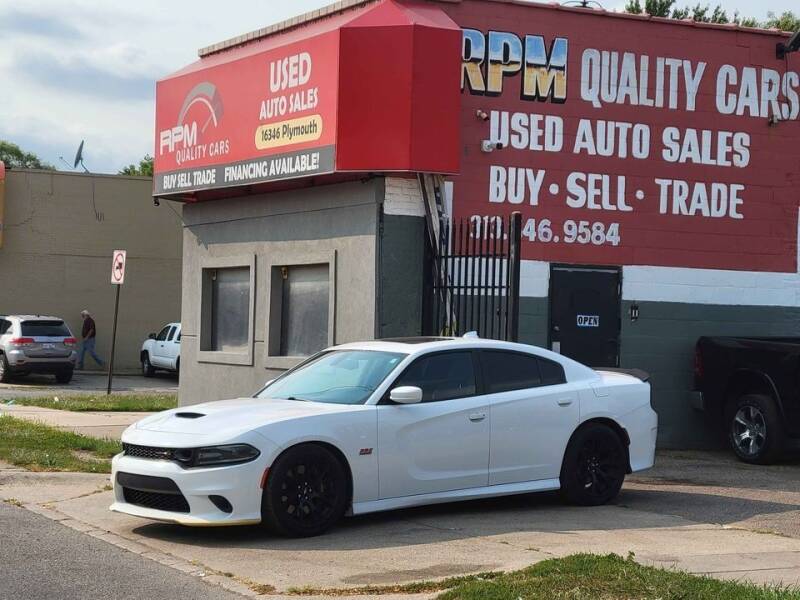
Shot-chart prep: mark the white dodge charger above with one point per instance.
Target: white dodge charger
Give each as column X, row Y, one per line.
column 387, row 424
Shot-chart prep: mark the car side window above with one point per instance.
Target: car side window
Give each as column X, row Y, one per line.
column 552, row 372
column 4, row 326
column 506, row 371
column 162, row 335
column 443, row 376
column 171, row 333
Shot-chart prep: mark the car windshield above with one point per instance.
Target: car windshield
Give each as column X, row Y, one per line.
column 336, row 377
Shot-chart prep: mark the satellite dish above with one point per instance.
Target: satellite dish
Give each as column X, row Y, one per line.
column 79, row 158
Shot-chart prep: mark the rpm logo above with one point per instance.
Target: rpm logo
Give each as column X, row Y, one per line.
column 488, row 59
column 200, row 113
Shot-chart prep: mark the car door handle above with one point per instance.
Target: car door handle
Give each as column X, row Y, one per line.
column 477, row 417
column 564, row 401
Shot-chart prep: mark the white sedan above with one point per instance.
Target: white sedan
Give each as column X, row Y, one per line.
column 374, row 426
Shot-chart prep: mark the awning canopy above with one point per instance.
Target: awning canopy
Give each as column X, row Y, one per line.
column 370, row 89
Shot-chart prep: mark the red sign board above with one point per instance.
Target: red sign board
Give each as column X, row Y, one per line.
column 626, row 140
column 335, row 94
column 264, row 116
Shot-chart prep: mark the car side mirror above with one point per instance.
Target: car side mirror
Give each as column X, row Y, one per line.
column 151, row 336
column 406, row 394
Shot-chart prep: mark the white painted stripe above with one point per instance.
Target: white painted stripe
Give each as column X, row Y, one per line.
column 690, row 286
column 708, row 286
column 534, row 279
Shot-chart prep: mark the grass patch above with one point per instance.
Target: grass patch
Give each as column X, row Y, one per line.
column 102, row 402
column 418, row 587
column 610, row 577
column 38, row 447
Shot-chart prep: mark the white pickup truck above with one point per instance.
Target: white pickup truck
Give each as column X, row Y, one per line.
column 162, row 351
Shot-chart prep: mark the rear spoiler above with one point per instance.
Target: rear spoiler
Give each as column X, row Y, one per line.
column 638, row 373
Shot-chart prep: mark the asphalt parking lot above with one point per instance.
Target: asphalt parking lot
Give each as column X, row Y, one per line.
column 701, row 512
column 87, row 382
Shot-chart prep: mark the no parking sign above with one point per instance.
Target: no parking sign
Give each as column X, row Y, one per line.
column 118, row 267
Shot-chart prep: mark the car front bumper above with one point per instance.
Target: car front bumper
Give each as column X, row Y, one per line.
column 149, row 496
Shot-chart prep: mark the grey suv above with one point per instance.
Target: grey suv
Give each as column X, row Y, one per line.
column 36, row 344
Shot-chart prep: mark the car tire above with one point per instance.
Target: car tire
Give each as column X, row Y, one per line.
column 306, row 492
column 148, row 370
column 5, row 371
column 594, row 466
column 64, row 376
column 754, row 429
column 178, row 368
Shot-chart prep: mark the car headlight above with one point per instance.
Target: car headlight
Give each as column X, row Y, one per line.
column 210, row 456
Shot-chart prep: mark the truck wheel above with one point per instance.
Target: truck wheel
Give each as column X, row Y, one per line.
column 147, row 369
column 5, row 371
column 64, row 376
column 754, row 429
column 594, row 466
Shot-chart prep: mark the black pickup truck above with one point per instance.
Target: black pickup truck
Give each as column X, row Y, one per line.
column 752, row 387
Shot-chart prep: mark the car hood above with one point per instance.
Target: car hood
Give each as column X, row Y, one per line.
column 229, row 417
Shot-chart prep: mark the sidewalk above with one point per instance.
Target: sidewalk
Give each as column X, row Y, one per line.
column 95, row 424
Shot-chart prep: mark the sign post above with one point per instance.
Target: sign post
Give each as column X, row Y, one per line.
column 117, row 279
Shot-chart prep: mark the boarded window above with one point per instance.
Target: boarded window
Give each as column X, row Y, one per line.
column 305, row 306
column 229, row 309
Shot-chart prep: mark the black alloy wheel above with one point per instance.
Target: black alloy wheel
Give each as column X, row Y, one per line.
column 306, row 492
column 594, row 467
column 754, row 429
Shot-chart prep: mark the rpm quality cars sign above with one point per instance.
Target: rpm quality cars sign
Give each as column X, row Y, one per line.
column 259, row 116
column 625, row 140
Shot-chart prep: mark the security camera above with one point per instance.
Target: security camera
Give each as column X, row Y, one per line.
column 156, row 202
column 490, row 146
column 793, row 45
column 481, row 115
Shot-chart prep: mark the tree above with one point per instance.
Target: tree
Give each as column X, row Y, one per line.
column 16, row 158
column 145, row 168
column 786, row 21
column 654, row 8
column 703, row 13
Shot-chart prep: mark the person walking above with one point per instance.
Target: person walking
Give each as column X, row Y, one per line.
column 88, row 333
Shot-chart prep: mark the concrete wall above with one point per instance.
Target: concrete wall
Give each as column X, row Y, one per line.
column 401, row 256
column 60, row 231
column 279, row 228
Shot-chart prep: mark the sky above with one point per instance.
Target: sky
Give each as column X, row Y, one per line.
column 80, row 69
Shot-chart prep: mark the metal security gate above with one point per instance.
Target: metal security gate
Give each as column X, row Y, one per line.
column 473, row 283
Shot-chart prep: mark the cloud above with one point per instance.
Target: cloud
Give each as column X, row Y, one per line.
column 79, row 77
column 15, row 23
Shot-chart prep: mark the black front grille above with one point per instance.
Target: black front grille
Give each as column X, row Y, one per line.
column 156, row 500
column 151, row 452
column 160, row 493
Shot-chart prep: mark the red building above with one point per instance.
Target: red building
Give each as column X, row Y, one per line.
column 654, row 163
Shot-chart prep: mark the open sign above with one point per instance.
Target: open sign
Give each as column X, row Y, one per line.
column 588, row 320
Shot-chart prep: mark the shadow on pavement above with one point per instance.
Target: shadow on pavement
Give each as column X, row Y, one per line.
column 542, row 512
